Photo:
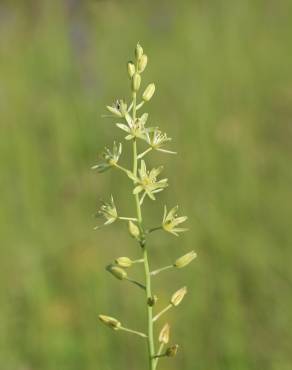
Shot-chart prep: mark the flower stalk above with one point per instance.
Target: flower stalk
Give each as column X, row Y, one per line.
column 145, row 185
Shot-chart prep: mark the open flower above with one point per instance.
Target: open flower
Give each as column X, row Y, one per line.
column 171, row 221
column 134, row 128
column 147, row 182
column 157, row 139
column 108, row 211
column 109, row 158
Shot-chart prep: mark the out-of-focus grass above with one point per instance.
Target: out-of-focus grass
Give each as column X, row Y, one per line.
column 224, row 92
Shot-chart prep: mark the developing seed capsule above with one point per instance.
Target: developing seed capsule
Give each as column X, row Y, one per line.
column 151, row 301
column 117, row 272
column 142, row 63
column 131, row 69
column 185, row 260
column 110, row 321
column 178, row 296
column 138, row 51
column 172, row 351
column 124, row 262
column 148, row 93
column 136, row 81
column 164, row 334
column 134, row 230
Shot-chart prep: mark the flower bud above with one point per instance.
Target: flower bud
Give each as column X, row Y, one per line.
column 131, row 69
column 164, row 334
column 123, row 262
column 178, row 296
column 149, row 91
column 136, row 81
column 172, row 351
column 138, row 51
column 134, row 230
column 110, row 321
column 117, row 272
column 185, row 259
column 142, row 63
column 152, row 301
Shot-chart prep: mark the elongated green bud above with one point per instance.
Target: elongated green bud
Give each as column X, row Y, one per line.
column 117, row 272
column 136, row 81
column 131, row 69
column 149, row 91
column 178, row 296
column 138, row 51
column 172, row 351
column 110, row 322
column 124, row 262
column 185, row 260
column 142, row 63
column 134, row 230
column 164, row 334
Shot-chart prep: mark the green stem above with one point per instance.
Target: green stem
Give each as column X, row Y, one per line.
column 150, row 339
column 149, row 311
column 153, row 229
column 133, row 332
column 136, row 283
column 162, row 312
column 140, row 156
column 159, row 354
column 153, row 273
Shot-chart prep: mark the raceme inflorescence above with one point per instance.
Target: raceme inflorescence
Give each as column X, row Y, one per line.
column 146, row 183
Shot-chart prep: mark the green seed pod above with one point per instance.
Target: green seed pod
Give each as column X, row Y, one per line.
column 142, row 63
column 110, row 321
column 178, row 296
column 149, row 92
column 136, row 82
column 117, row 272
column 138, row 51
column 134, row 230
column 124, row 262
column 172, row 351
column 131, row 69
column 152, row 301
column 164, row 334
column 185, row 259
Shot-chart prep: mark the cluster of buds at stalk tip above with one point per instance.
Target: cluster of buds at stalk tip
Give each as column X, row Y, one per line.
column 146, row 184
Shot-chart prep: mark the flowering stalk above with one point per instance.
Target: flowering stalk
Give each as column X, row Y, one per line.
column 145, row 185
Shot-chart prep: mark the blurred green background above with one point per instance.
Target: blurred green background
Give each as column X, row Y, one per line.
column 224, row 93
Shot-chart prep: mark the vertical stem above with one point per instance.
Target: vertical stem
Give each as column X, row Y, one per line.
column 150, row 340
column 151, row 348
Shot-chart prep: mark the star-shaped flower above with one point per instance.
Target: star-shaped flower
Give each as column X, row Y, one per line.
column 147, row 182
column 109, row 158
column 171, row 221
column 157, row 139
column 108, row 211
column 135, row 129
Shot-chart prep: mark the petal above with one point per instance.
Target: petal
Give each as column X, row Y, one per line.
column 114, row 111
column 137, row 189
column 123, row 127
